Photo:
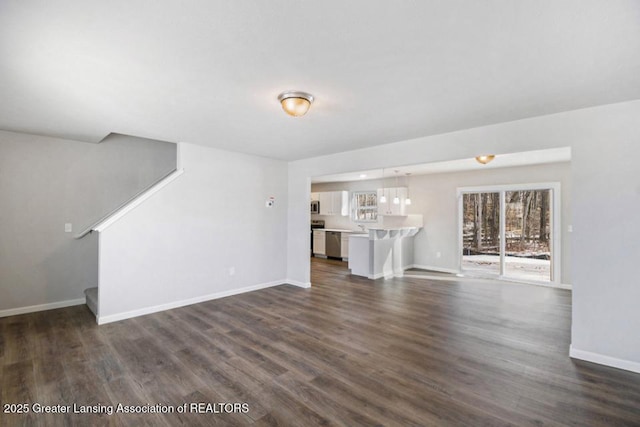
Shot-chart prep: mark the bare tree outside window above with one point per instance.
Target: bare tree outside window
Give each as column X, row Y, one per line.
column 365, row 206
column 527, row 233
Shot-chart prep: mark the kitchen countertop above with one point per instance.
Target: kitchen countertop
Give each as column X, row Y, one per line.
column 343, row 230
column 391, row 228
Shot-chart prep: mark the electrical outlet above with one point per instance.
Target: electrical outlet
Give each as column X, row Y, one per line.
column 570, row 229
column 438, row 254
column 68, row 228
column 232, row 271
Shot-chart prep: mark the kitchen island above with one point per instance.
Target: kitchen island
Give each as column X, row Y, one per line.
column 383, row 252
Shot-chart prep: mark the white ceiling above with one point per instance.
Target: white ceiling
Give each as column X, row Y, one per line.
column 527, row 158
column 209, row 72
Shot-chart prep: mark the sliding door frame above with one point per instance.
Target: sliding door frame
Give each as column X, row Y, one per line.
column 555, row 226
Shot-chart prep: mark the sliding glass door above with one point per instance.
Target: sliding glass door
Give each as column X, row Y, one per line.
column 508, row 231
column 527, row 235
column 481, row 233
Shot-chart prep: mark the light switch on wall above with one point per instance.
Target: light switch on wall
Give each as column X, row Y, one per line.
column 68, row 228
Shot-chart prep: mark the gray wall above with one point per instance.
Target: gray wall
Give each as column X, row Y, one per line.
column 47, row 182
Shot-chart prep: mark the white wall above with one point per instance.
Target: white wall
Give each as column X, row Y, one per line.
column 47, row 182
column 606, row 212
column 434, row 196
column 178, row 246
column 606, row 199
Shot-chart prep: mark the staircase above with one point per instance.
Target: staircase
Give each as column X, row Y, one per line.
column 92, row 299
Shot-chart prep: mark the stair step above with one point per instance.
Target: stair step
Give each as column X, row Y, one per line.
column 92, row 299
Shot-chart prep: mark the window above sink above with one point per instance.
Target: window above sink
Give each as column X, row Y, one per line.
column 365, row 206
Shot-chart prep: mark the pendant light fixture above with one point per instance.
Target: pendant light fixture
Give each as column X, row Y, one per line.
column 295, row 103
column 485, row 158
column 396, row 200
column 383, row 198
column 407, row 201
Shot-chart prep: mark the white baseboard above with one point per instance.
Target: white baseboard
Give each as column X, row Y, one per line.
column 41, row 307
column 601, row 359
column 503, row 279
column 532, row 282
column 175, row 304
column 296, row 283
column 438, row 269
column 390, row 275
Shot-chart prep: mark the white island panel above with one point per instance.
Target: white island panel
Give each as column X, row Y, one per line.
column 359, row 252
column 382, row 253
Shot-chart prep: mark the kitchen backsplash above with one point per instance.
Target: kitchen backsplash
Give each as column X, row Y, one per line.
column 341, row 222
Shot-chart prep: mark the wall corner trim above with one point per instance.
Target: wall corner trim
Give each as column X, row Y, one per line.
column 297, row 283
column 136, row 201
column 601, row 359
column 41, row 307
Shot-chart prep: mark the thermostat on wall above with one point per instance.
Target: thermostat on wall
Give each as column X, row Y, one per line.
column 270, row 202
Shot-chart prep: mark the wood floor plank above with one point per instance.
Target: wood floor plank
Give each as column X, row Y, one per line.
column 349, row 351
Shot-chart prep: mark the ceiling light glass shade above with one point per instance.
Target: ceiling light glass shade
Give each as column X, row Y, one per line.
column 407, row 201
column 295, row 104
column 396, row 200
column 383, row 199
column 485, row 158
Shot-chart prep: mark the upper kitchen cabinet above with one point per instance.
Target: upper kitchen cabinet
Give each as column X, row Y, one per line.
column 334, row 203
column 389, row 208
column 315, row 197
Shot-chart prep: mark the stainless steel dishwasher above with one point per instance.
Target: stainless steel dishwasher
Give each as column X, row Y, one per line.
column 333, row 244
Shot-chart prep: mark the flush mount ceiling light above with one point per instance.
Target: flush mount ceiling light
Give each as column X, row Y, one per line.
column 295, row 103
column 484, row 159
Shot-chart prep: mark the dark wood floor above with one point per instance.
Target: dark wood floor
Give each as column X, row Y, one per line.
column 348, row 351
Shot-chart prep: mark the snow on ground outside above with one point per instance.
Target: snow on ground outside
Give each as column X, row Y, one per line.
column 515, row 267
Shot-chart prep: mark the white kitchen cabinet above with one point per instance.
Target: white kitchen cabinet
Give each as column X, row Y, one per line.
column 341, row 203
column 334, row 203
column 344, row 245
column 315, row 197
column 326, row 203
column 319, row 242
column 389, row 208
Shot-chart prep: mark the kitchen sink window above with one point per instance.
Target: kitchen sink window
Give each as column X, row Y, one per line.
column 365, row 206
